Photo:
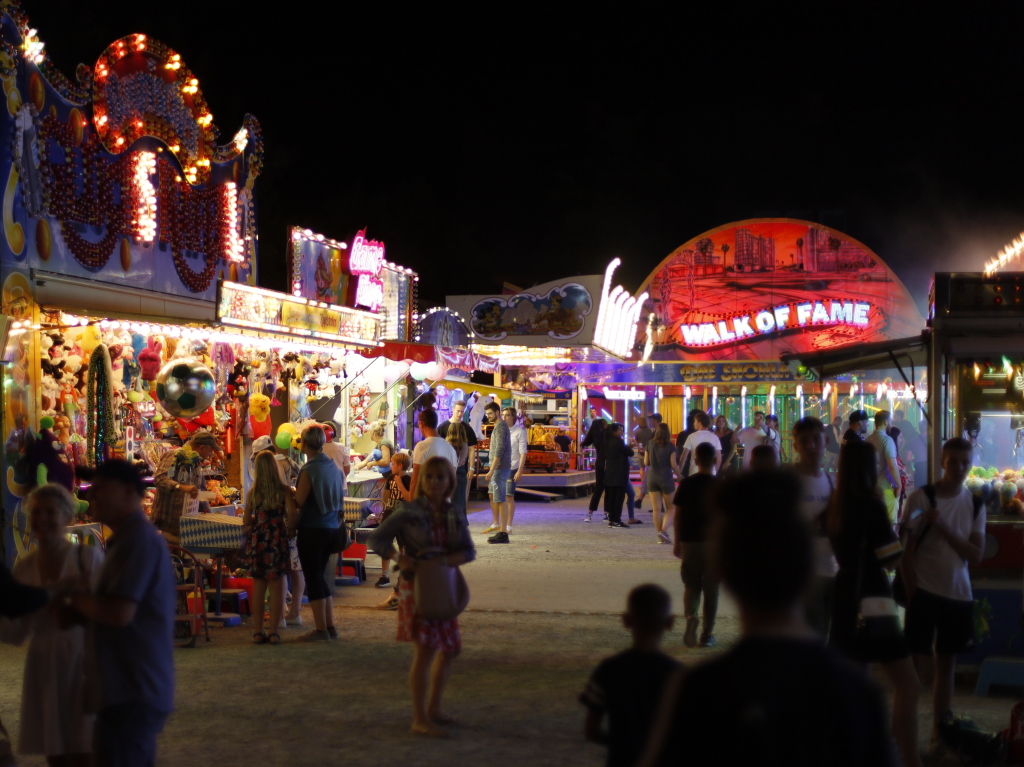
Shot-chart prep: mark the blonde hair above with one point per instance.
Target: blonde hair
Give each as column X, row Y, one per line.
column 377, row 429
column 64, row 500
column 402, row 459
column 268, row 490
column 457, row 436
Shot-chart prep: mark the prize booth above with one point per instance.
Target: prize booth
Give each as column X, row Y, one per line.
column 543, row 339
column 726, row 308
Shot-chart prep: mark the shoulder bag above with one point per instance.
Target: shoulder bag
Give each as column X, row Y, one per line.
column 440, row 590
column 877, row 617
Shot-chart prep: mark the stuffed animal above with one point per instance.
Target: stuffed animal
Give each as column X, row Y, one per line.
column 259, row 415
column 150, row 361
column 238, row 381
column 88, row 340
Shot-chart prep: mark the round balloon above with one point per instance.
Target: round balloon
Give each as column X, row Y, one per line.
column 185, row 387
column 286, row 428
column 391, row 374
column 419, row 370
column 283, row 440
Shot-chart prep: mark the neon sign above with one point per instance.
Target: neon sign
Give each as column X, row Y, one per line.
column 630, row 394
column 617, row 318
column 778, row 319
column 365, row 260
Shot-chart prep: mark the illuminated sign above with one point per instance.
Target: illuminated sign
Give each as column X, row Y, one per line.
column 631, row 394
column 617, row 317
column 365, row 261
column 777, row 319
column 257, row 309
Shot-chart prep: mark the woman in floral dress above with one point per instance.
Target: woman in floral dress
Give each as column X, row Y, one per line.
column 428, row 522
column 270, row 515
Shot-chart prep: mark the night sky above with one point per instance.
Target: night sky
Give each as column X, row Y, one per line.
column 519, row 147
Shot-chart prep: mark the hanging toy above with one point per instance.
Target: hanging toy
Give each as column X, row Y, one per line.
column 101, row 430
column 150, row 360
column 259, row 415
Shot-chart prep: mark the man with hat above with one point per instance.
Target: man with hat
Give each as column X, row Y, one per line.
column 337, row 450
column 177, row 481
column 858, row 426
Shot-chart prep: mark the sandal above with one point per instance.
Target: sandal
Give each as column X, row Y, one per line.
column 259, row 638
column 274, row 638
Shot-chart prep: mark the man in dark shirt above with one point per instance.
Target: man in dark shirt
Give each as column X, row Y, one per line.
column 628, row 686
column 691, row 427
column 780, row 697
column 693, row 507
column 563, row 440
column 858, row 426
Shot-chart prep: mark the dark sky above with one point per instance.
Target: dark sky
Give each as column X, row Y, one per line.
column 532, row 147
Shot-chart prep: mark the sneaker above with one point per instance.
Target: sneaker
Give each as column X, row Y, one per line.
column 509, row 529
column 605, row 517
column 315, row 636
column 636, row 521
column 498, row 537
column 707, row 640
column 295, row 622
column 664, row 536
column 620, row 523
column 491, row 529
column 659, row 539
column 588, row 518
column 391, row 603
column 690, row 637
column 384, row 582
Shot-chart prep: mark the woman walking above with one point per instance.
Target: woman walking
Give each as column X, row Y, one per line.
column 596, row 439
column 616, row 475
column 660, row 458
column 52, row 698
column 270, row 513
column 724, row 433
column 865, row 547
column 319, row 496
column 457, row 439
column 425, row 525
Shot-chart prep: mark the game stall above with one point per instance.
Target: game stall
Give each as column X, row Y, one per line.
column 543, row 338
column 725, row 309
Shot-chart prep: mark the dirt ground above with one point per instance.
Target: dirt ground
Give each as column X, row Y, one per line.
column 540, row 620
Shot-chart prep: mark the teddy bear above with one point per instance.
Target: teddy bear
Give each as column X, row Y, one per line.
column 49, row 394
column 259, row 415
column 88, row 340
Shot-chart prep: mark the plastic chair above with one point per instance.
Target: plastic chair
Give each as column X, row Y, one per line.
column 191, row 594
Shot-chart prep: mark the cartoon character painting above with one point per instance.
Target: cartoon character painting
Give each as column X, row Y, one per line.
column 560, row 313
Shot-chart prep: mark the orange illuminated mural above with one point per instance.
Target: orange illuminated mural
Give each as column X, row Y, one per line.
column 759, row 288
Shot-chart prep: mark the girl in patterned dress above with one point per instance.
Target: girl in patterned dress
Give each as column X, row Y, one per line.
column 270, row 515
column 427, row 522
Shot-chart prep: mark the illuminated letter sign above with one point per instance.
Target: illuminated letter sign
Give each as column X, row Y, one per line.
column 761, row 322
column 618, row 315
column 365, row 260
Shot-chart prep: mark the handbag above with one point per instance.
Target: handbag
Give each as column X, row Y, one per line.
column 878, row 618
column 440, row 590
column 341, row 539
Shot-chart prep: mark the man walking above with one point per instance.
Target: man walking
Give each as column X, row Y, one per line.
column 944, row 526
column 499, row 468
column 520, row 446
column 888, row 470
column 702, row 435
column 774, row 438
column 132, row 621
column 693, row 509
column 643, row 434
column 815, row 495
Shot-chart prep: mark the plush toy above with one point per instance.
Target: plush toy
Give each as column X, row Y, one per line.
column 259, row 415
column 50, row 394
column 214, row 486
column 150, row 361
column 238, row 381
column 89, row 339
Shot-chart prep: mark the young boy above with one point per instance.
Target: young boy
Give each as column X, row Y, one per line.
column 945, row 533
column 628, row 686
column 395, row 480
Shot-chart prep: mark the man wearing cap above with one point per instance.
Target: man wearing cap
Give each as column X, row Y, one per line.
column 286, row 467
column 858, row 426
column 335, row 450
column 177, row 481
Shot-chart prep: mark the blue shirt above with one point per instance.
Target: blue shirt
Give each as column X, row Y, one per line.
column 136, row 662
column 328, row 495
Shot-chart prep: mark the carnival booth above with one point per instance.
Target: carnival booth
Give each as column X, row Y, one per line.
column 542, row 339
column 724, row 309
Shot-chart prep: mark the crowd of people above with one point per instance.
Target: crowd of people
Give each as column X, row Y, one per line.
column 811, row 563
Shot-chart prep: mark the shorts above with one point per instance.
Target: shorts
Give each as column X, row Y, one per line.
column 510, row 486
column 315, row 544
column 939, row 624
column 293, row 555
column 892, row 504
column 659, row 483
column 498, row 486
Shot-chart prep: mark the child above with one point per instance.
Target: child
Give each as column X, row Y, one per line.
column 394, row 480
column 628, row 686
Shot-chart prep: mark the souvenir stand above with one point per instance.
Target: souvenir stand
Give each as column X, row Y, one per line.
column 724, row 308
column 544, row 340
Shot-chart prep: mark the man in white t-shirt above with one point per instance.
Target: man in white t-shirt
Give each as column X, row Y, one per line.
column 885, row 462
column 943, row 540
column 815, row 494
column 703, row 434
column 428, row 447
column 520, row 446
column 758, row 434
